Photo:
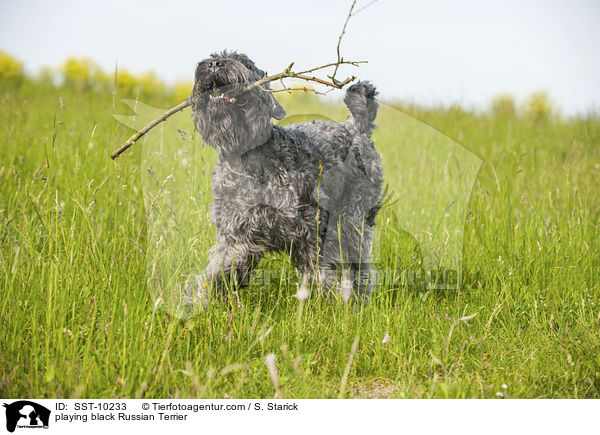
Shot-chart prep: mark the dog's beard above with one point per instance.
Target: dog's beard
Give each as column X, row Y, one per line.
column 232, row 119
column 231, row 79
column 215, row 88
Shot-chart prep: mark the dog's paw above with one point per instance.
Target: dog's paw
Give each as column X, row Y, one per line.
column 346, row 289
column 303, row 292
column 198, row 291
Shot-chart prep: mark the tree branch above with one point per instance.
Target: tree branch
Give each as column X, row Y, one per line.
column 133, row 139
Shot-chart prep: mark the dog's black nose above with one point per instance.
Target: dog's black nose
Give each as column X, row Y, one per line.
column 215, row 65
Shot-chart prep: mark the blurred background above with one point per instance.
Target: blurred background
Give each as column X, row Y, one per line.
column 427, row 53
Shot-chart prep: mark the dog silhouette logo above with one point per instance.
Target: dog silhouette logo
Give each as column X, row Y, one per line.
column 26, row 414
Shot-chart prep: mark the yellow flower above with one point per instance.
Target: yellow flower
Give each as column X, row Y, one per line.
column 11, row 70
column 150, row 83
column 126, row 83
column 504, row 105
column 538, row 106
column 183, row 90
column 78, row 73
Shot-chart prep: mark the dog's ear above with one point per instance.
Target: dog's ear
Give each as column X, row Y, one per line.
column 277, row 112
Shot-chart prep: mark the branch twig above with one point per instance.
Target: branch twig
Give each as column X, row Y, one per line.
column 288, row 73
column 304, row 89
column 364, row 7
column 133, row 139
column 339, row 57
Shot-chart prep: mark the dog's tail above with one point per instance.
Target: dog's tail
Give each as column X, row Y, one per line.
column 360, row 99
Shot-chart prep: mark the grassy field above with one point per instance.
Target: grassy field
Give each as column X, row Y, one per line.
column 79, row 319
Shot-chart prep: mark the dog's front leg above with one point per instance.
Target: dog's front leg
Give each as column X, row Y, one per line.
column 229, row 267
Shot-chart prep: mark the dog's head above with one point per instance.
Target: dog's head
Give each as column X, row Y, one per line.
column 227, row 116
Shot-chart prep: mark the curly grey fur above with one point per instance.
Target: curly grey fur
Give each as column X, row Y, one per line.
column 311, row 189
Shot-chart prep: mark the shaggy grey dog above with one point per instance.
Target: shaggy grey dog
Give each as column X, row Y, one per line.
column 311, row 190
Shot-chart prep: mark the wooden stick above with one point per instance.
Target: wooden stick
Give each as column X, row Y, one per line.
column 133, row 139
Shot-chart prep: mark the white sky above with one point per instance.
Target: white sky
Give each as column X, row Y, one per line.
column 422, row 51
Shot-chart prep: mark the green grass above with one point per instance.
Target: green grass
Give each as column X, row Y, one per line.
column 79, row 317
